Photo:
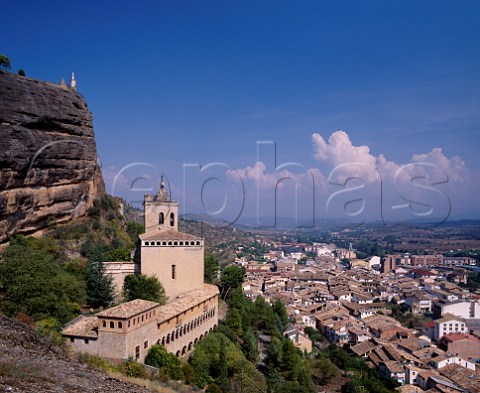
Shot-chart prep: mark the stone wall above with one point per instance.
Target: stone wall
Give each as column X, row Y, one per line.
column 188, row 261
column 180, row 333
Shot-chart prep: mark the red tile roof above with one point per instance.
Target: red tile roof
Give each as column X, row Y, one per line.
column 459, row 336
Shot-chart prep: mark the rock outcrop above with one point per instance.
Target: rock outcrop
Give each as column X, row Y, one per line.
column 49, row 170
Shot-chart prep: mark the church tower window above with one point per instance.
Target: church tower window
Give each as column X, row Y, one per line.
column 161, row 218
column 172, row 219
column 174, row 272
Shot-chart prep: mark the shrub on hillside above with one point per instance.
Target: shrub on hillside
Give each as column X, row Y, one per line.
column 159, row 357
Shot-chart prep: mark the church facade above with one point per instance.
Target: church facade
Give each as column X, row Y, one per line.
column 177, row 260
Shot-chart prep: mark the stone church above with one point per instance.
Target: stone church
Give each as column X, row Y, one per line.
column 176, row 258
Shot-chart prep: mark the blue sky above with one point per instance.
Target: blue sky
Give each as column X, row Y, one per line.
column 176, row 82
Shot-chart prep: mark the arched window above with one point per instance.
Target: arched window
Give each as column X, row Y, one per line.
column 172, row 219
column 147, row 243
column 161, row 218
column 174, row 273
column 112, row 325
column 104, row 324
column 120, row 325
column 198, row 243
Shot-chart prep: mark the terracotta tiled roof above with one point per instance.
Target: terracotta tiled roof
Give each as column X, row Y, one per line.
column 459, row 336
column 129, row 309
column 465, row 378
column 82, row 326
column 394, row 367
column 449, row 317
column 168, row 234
column 364, row 347
column 185, row 301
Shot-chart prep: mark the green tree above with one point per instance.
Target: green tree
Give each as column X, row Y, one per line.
column 281, row 311
column 133, row 369
column 274, row 356
column 140, row 286
column 134, row 229
column 263, row 317
column 314, row 334
column 350, row 387
column 290, row 387
column 232, row 277
column 99, row 285
column 33, row 284
column 222, row 366
column 323, row 370
column 5, row 62
column 233, row 320
column 205, row 361
column 21, row 72
column 159, row 357
column 250, row 345
column 211, row 268
column 213, row 388
column 291, row 360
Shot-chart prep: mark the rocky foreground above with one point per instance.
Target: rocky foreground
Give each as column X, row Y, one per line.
column 29, row 363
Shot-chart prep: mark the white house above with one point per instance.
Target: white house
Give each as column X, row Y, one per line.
column 448, row 324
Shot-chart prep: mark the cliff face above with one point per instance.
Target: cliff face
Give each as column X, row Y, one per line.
column 48, row 157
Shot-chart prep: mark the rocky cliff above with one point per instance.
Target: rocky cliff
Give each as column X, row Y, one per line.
column 49, row 170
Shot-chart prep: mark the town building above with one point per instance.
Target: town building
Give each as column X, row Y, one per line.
column 448, row 324
column 463, row 345
column 176, row 259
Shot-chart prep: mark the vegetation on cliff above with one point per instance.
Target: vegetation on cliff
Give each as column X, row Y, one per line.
column 5, row 62
column 54, row 276
column 33, row 283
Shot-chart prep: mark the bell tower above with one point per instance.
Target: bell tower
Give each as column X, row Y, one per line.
column 160, row 211
column 175, row 257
